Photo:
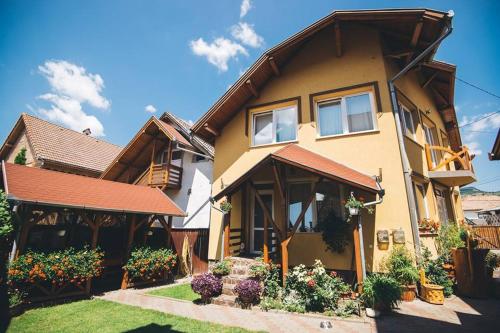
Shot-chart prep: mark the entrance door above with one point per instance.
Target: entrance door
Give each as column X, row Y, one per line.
column 257, row 234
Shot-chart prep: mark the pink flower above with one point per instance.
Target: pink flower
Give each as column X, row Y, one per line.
column 311, row 283
column 333, row 274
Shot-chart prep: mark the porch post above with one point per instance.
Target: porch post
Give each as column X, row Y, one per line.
column 357, row 255
column 266, row 246
column 227, row 231
column 130, row 240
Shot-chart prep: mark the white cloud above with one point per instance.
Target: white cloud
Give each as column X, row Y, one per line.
column 150, row 108
column 69, row 112
column 478, row 125
column 74, row 82
column 246, row 34
column 71, row 87
column 474, row 148
column 246, row 5
column 219, row 52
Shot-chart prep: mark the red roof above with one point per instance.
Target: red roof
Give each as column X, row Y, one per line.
column 52, row 188
column 302, row 158
column 174, row 133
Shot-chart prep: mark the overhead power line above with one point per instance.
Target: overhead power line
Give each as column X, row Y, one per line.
column 475, row 121
column 478, row 88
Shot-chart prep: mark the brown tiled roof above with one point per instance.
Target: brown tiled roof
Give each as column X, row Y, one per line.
column 302, row 158
column 56, row 144
column 174, row 134
column 52, row 188
column 480, row 202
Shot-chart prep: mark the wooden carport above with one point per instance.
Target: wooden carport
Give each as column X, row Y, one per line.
column 323, row 168
column 38, row 195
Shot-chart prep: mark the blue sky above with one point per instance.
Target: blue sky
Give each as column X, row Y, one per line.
column 181, row 56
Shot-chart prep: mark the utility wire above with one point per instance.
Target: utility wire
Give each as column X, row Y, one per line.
column 475, row 121
column 478, row 88
column 491, row 181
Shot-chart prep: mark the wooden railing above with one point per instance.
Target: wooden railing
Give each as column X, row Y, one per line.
column 164, row 175
column 444, row 156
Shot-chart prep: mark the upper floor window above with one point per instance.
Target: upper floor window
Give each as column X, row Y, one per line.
column 278, row 125
column 408, row 121
column 346, row 114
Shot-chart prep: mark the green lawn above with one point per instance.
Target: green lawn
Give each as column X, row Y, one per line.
column 180, row 291
column 103, row 317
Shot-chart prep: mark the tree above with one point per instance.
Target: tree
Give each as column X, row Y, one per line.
column 6, row 229
column 21, row 157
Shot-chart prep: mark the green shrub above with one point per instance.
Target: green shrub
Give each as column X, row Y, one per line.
column 400, row 266
column 449, row 238
column 335, row 232
column 270, row 276
column 146, row 263
column 268, row 303
column 491, row 261
column 222, row 268
column 381, row 291
column 21, row 157
column 16, row 297
column 347, row 308
column 6, row 226
column 434, row 271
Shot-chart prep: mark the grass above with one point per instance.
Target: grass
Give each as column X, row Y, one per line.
column 104, row 316
column 180, row 291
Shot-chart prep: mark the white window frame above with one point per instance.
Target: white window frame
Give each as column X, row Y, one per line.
column 343, row 108
column 413, row 134
column 274, row 123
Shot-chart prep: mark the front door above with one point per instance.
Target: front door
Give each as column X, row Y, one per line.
column 257, row 234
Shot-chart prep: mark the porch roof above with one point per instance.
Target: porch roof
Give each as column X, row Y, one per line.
column 51, row 188
column 299, row 157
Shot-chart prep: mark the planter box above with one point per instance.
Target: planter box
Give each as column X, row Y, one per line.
column 167, row 277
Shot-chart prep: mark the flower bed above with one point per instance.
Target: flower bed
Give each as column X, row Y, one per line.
column 146, row 265
column 207, row 286
column 47, row 275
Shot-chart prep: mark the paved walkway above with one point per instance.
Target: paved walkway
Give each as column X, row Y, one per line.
column 456, row 315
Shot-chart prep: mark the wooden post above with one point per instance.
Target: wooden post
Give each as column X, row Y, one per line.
column 284, row 259
column 130, row 241
column 357, row 255
column 227, row 231
column 265, row 245
column 169, row 232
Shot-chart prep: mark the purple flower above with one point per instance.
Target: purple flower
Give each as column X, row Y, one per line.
column 206, row 285
column 248, row 289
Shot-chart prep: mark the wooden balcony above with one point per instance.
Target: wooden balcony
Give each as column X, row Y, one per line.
column 162, row 176
column 449, row 167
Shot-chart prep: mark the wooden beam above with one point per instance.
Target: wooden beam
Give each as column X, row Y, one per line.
column 274, row 66
column 210, row 129
column 397, row 54
column 429, row 80
column 441, row 97
column 252, row 88
column 284, row 260
column 357, row 255
column 265, row 246
column 338, row 39
column 414, row 39
column 279, row 181
column 227, row 231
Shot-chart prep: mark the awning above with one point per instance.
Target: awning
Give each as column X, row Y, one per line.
column 304, row 159
column 52, row 188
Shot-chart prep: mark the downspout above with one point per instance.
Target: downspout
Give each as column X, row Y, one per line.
column 193, row 152
column 395, row 110
column 212, row 204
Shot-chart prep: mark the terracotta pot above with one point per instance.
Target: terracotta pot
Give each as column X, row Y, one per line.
column 408, row 293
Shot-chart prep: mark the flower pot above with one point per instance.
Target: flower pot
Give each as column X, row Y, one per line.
column 353, row 211
column 372, row 313
column 408, row 293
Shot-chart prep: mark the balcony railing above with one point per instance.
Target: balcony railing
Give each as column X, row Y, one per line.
column 450, row 167
column 162, row 176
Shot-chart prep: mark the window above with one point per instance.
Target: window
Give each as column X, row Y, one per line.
column 278, row 125
column 407, row 121
column 430, row 138
column 349, row 114
column 298, row 194
column 420, row 201
column 199, row 158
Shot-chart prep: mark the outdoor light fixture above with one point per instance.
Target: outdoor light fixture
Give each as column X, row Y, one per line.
column 150, row 233
column 61, row 233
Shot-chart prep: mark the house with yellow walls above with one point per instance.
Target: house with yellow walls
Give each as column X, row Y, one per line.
column 353, row 105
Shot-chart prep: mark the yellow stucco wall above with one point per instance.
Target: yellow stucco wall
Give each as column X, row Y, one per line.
column 22, row 142
column 316, row 68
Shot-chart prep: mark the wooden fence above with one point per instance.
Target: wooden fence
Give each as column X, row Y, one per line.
column 488, row 235
column 198, row 244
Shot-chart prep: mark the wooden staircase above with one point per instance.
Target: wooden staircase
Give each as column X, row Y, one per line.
column 240, row 270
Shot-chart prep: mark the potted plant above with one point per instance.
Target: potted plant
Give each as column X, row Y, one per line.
column 148, row 265
column 400, row 267
column 207, row 286
column 354, row 205
column 248, row 291
column 222, row 268
column 225, row 206
column 380, row 293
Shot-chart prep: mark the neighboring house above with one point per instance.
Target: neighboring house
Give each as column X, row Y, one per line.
column 481, row 209
column 312, row 120
column 50, row 146
column 495, row 151
column 165, row 154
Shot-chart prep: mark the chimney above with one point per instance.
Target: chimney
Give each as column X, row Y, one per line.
column 87, row 131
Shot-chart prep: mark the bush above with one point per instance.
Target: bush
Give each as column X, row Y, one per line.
column 21, row 157
column 316, row 289
column 448, row 238
column 145, row 263
column 400, row 266
column 381, row 292
column 347, row 308
column 206, row 285
column 248, row 290
column 222, row 268
column 6, row 226
column 435, row 273
column 335, row 232
column 269, row 274
column 58, row 268
column 16, row 297
column 491, row 261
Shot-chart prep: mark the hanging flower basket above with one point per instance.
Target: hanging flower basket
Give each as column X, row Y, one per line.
column 353, row 211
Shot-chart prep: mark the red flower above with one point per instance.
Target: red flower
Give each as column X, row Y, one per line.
column 333, row 274
column 311, row 283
